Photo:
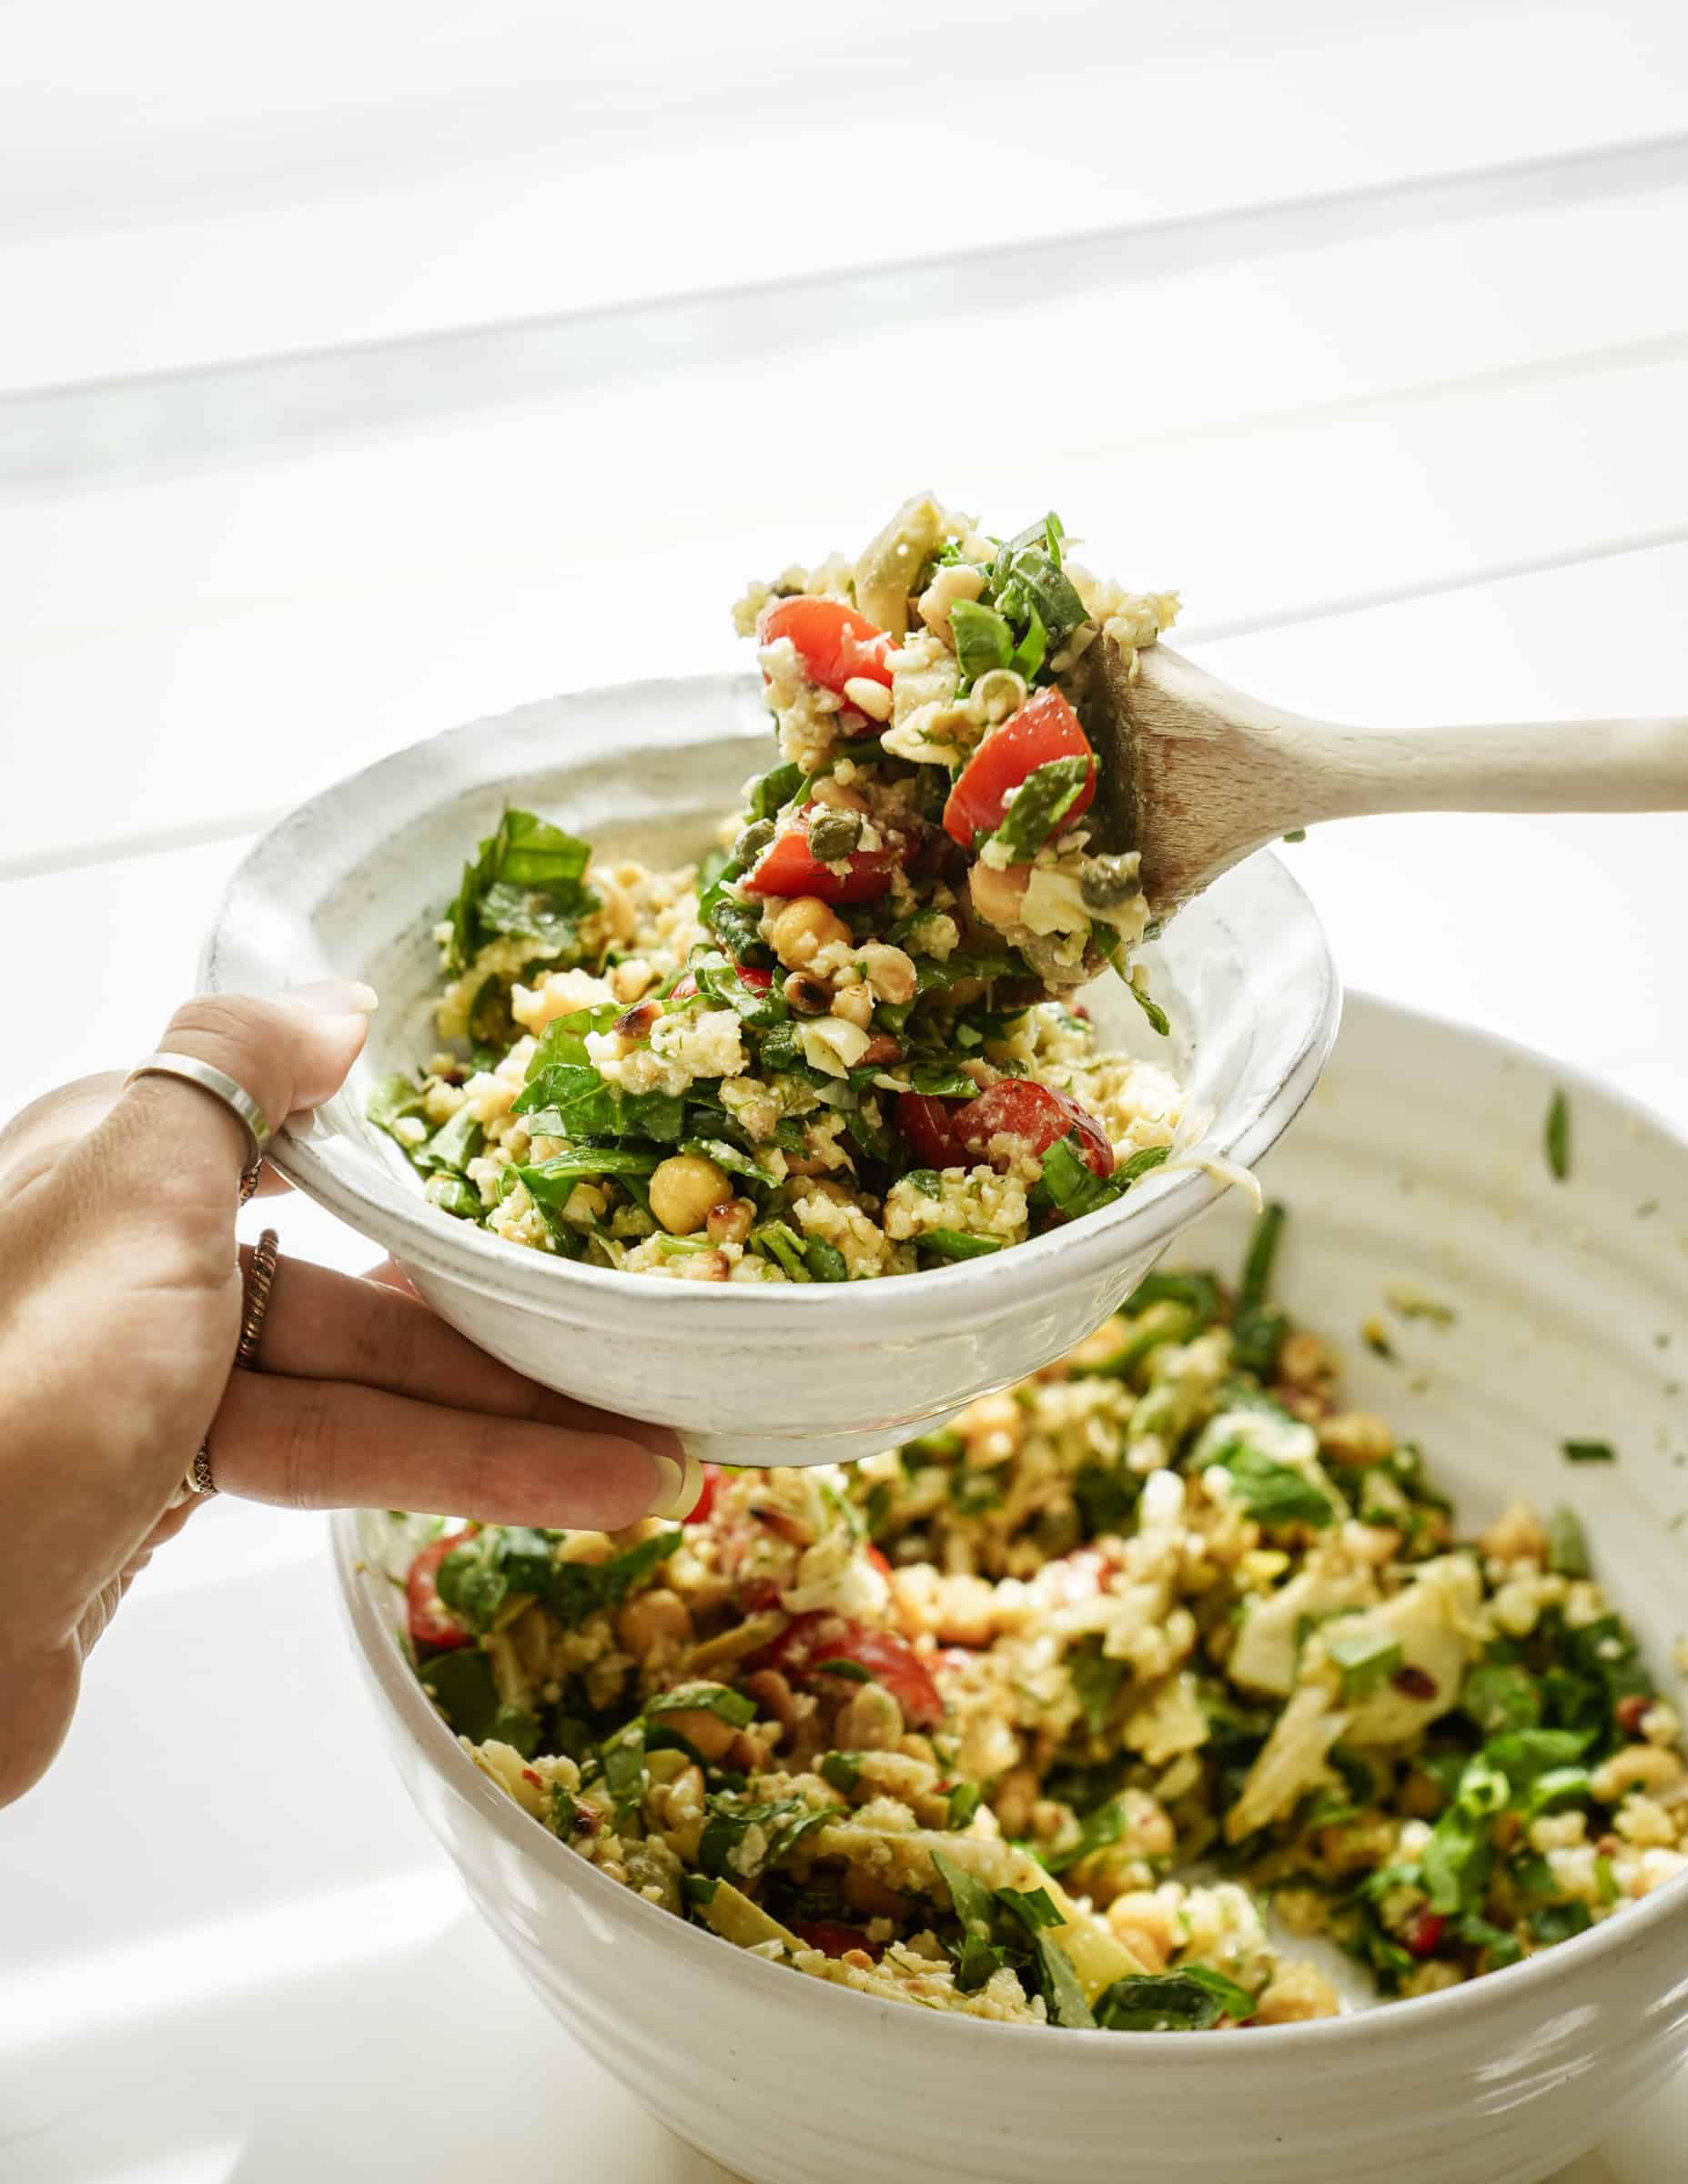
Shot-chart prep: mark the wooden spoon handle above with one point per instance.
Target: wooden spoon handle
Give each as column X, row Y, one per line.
column 1518, row 766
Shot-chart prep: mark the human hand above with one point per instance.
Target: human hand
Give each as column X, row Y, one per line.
column 120, row 1308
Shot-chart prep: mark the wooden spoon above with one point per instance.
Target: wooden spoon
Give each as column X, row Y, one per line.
column 1195, row 774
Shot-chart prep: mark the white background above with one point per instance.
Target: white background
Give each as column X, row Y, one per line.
column 365, row 368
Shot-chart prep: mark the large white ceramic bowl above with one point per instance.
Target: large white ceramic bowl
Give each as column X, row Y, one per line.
column 350, row 886
column 1419, row 1161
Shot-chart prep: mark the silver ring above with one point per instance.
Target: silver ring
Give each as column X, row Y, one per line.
column 234, row 1096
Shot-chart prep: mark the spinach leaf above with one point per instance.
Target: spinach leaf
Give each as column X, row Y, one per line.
column 734, row 1707
column 554, row 1184
column 771, row 795
column 1558, row 1922
column 577, row 1590
column 778, row 1241
column 1159, row 1020
column 525, row 879
column 964, row 1799
column 824, row 1261
column 1272, row 1492
column 1040, row 803
column 1064, row 1997
column 1498, row 1695
column 952, row 1243
column 1193, row 1999
column 726, row 1848
column 1365, row 1658
column 452, row 1147
column 463, row 1687
column 623, row 1759
column 983, row 639
column 391, row 1100
column 937, row 1078
column 1099, row 1829
column 1096, row 1683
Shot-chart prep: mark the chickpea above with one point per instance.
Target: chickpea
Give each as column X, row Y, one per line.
column 998, row 895
column 730, row 1222
column 683, row 1190
column 798, row 932
column 629, row 980
column 889, row 971
column 1516, row 1535
column 869, row 1721
column 1146, row 1926
column 1296, row 1994
column 959, row 579
column 854, row 1003
column 1358, row 1437
column 656, row 1620
column 1637, row 1767
column 706, row 1733
column 1303, row 1362
column 838, row 797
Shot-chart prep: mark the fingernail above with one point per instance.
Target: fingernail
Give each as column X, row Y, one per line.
column 679, row 1490
column 336, row 997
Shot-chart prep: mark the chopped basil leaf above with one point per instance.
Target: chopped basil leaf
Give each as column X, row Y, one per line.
column 462, row 1686
column 726, row 1849
column 926, row 1180
column 1589, row 1451
column 1096, row 1683
column 1366, row 1659
column 1568, row 1547
column 778, row 1241
column 939, row 1080
column 734, row 1707
column 983, row 639
column 391, row 1099
column 1558, row 1922
column 577, row 1590
column 840, row 1770
column 1098, row 1831
column 952, row 1243
column 964, row 1802
column 825, row 1261
column 1040, row 803
column 1273, row 1493
column 1256, row 1272
column 1157, row 1016
column 1193, row 1999
column 1035, row 1910
column 1498, row 1696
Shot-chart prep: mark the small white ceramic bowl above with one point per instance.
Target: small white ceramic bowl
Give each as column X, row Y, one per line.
column 350, row 886
column 1418, row 1162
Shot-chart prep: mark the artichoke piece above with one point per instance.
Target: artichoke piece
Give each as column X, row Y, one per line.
column 886, row 568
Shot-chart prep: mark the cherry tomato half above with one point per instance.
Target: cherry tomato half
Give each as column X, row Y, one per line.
column 785, row 868
column 929, row 1126
column 809, row 1642
column 1426, row 1930
column 1045, row 727
column 834, row 642
column 706, row 1500
column 1035, row 1114
column 432, row 1624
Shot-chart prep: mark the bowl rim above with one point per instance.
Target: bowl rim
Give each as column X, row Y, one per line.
column 390, row 1672
column 379, row 1203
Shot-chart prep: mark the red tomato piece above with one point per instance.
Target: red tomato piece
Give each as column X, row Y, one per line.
column 706, row 1500
column 1426, row 1930
column 432, row 1624
column 1037, row 1114
column 835, row 644
column 929, row 1126
column 1045, row 727
column 832, row 1938
column 878, row 1560
column 785, row 868
column 809, row 1642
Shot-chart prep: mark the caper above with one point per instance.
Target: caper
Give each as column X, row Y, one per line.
column 752, row 841
column 834, row 834
column 1104, row 882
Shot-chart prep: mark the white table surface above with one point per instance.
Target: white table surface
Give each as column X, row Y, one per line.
column 1397, row 405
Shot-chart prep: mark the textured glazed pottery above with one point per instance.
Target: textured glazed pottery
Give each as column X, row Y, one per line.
column 351, row 885
column 1418, row 1165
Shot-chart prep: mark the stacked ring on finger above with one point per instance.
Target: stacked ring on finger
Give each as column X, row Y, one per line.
column 260, row 1279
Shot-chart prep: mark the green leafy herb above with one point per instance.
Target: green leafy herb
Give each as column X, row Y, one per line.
column 525, row 880
column 1557, row 1136
column 983, row 639
column 577, row 1590
column 463, row 1687
column 964, row 1799
column 452, row 1147
column 1157, row 1018
column 727, row 1706
column 478, row 1577
column 391, row 1100
column 1589, row 1451
column 1200, row 1293
column 773, row 793
column 1257, row 1274
column 935, row 1079
column 1558, row 1922
column 1456, row 1861
column 1273, row 1493
column 952, row 1243
column 825, row 1261
column 1040, row 803
column 778, row 1241
column 1367, row 1659
column 1567, row 1544
column 1498, row 1696
column 1098, row 1831
column 840, row 1769
column 1096, row 1682
column 1192, row 1999
column 724, row 1849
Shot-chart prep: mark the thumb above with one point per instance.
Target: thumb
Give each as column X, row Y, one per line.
column 286, row 1053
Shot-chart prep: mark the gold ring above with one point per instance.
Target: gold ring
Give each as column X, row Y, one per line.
column 259, row 1284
